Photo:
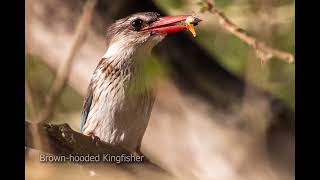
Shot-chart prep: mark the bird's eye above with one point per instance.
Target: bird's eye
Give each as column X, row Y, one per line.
column 137, row 24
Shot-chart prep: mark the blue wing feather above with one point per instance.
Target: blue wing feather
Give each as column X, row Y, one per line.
column 85, row 110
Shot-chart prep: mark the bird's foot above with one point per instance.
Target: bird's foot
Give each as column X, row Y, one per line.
column 95, row 139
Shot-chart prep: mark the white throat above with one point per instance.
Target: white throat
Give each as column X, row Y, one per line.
column 121, row 49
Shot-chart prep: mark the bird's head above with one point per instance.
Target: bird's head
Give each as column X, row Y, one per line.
column 144, row 29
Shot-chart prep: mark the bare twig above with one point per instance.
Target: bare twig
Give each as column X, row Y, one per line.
column 64, row 69
column 263, row 51
column 29, row 100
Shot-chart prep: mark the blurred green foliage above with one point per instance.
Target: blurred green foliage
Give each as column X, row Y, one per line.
column 176, row 4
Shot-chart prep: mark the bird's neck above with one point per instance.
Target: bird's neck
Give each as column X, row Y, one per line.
column 130, row 61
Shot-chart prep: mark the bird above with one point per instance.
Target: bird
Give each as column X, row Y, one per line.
column 118, row 103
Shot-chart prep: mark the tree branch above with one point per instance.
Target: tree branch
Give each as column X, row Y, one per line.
column 64, row 69
column 263, row 51
column 61, row 139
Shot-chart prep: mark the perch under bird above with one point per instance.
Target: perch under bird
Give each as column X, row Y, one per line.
column 118, row 102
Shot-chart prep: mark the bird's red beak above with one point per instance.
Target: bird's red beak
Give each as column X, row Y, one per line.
column 169, row 24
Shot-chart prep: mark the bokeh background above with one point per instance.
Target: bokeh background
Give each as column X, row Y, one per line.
column 219, row 114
